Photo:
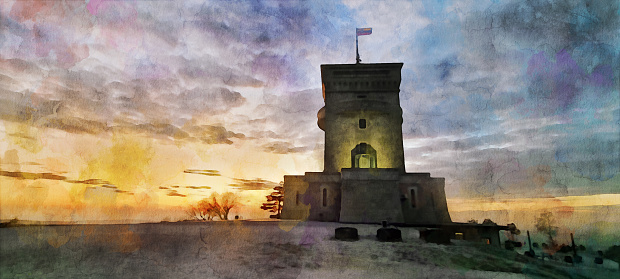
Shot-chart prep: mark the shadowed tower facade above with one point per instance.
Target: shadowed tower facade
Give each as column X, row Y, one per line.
column 364, row 178
column 362, row 118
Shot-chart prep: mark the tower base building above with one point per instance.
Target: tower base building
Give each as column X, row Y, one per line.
column 364, row 178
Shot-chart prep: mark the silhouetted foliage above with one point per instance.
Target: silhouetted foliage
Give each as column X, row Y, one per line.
column 513, row 229
column 472, row 221
column 215, row 206
column 274, row 201
column 598, row 260
column 12, row 223
column 488, row 222
column 565, row 249
column 613, row 253
column 544, row 224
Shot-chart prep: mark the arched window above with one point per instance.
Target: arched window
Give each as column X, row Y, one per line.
column 412, row 197
column 363, row 156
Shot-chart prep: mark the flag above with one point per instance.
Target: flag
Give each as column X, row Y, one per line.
column 363, row 31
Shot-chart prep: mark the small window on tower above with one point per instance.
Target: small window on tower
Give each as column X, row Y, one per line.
column 362, row 123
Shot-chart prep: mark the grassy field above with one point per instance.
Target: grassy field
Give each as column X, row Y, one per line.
column 257, row 249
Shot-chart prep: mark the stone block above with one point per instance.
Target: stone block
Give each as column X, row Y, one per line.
column 435, row 236
column 347, row 233
column 389, row 234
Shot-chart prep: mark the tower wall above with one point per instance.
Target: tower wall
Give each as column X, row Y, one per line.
column 295, row 207
column 357, row 92
column 370, row 196
column 423, row 199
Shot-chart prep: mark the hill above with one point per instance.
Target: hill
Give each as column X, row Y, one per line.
column 259, row 249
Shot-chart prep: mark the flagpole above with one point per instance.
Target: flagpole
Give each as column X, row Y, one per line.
column 357, row 53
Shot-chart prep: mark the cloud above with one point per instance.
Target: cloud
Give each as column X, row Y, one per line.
column 521, row 77
column 204, row 100
column 198, row 187
column 252, row 184
column 50, row 176
column 30, row 175
column 75, row 125
column 195, row 71
column 162, row 129
column 203, row 172
column 174, row 193
column 289, row 122
column 555, row 87
column 283, row 148
column 213, row 134
column 123, row 192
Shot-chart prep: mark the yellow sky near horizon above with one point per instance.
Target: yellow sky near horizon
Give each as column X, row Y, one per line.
column 95, row 177
column 142, row 179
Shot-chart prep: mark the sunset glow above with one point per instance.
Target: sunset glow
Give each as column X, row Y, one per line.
column 130, row 111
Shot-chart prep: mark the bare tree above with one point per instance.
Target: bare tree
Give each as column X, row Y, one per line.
column 544, row 224
column 204, row 210
column 214, row 206
column 227, row 202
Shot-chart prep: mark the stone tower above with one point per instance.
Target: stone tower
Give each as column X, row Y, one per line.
column 364, row 178
column 362, row 118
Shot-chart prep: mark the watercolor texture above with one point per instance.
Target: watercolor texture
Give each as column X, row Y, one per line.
column 127, row 112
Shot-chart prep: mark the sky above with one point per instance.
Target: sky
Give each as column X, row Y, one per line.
column 132, row 110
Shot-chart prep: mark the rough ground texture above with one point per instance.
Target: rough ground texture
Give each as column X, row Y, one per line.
column 249, row 249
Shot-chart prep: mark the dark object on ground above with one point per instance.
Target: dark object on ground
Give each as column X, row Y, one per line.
column 577, row 259
column 568, row 259
column 530, row 254
column 566, row 249
column 613, row 253
column 598, row 260
column 13, row 223
column 535, row 244
column 509, row 245
column 435, row 236
column 389, row 234
column 347, row 233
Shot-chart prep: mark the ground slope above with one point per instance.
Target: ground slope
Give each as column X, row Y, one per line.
column 252, row 249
